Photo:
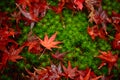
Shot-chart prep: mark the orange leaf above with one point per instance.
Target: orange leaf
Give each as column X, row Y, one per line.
column 49, row 43
column 109, row 59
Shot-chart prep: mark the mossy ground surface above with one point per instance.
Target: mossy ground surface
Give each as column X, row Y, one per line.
column 72, row 32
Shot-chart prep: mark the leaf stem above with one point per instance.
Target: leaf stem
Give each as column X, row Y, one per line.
column 42, row 53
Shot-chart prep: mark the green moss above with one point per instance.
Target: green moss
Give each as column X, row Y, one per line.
column 7, row 5
column 111, row 6
column 4, row 77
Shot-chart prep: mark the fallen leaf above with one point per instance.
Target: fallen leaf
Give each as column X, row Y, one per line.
column 49, row 43
column 69, row 72
column 108, row 58
column 59, row 55
column 79, row 4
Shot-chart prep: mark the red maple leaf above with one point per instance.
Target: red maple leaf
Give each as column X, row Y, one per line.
column 115, row 17
column 93, row 32
column 5, row 34
column 69, row 72
column 102, row 34
column 101, row 17
column 59, row 55
column 96, row 32
column 4, row 19
column 31, row 75
column 34, row 46
column 116, row 21
column 11, row 55
column 91, row 6
column 79, row 4
column 27, row 14
column 49, row 43
column 24, row 3
column 116, row 42
column 108, row 58
column 109, row 77
column 71, row 4
column 59, row 8
column 87, row 75
column 33, row 43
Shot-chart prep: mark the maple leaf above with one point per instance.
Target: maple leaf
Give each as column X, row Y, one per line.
column 3, row 60
column 56, row 72
column 5, row 34
column 87, row 75
column 35, row 12
column 27, row 14
column 93, row 32
column 17, row 16
column 116, row 21
column 59, row 55
column 49, row 73
column 4, row 19
column 109, row 77
column 11, row 55
column 24, row 3
column 115, row 17
column 34, row 46
column 14, row 54
column 4, row 44
column 70, row 4
column 69, row 72
column 31, row 76
column 33, row 43
column 108, row 58
column 91, row 6
column 101, row 17
column 116, row 42
column 79, row 4
column 59, row 8
column 102, row 33
column 49, row 43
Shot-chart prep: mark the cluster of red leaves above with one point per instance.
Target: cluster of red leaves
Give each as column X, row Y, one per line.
column 101, row 19
column 56, row 73
column 71, row 4
column 9, row 49
column 49, row 73
column 35, row 10
column 32, row 10
column 35, row 44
